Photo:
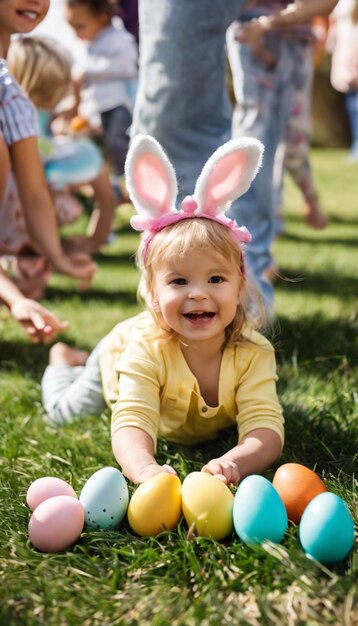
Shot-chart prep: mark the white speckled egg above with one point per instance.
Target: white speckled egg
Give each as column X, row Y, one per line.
column 105, row 498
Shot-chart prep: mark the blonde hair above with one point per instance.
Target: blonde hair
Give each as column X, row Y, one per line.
column 42, row 68
column 180, row 239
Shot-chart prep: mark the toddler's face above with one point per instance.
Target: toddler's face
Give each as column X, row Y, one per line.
column 198, row 295
column 85, row 23
column 21, row 16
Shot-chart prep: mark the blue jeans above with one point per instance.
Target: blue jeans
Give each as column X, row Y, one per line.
column 263, row 103
column 182, row 99
column 116, row 124
column 351, row 102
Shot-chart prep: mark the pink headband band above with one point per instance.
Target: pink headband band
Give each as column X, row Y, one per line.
column 152, row 186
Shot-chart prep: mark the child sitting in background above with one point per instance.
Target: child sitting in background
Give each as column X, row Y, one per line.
column 193, row 363
column 43, row 70
column 19, row 130
column 105, row 74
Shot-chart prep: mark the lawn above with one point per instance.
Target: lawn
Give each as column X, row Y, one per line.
column 115, row 578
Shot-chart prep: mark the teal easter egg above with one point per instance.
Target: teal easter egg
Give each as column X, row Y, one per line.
column 259, row 513
column 327, row 529
column 105, row 498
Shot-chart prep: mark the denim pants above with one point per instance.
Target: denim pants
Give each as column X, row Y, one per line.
column 116, row 124
column 351, row 102
column 73, row 392
column 263, row 104
column 182, row 99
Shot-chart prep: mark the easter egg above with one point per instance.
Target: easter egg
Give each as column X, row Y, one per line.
column 207, row 504
column 155, row 505
column 78, row 123
column 56, row 524
column 297, row 486
column 104, row 498
column 47, row 487
column 259, row 513
column 327, row 529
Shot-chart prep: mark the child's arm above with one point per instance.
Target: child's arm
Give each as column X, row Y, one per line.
column 258, row 451
column 101, row 220
column 40, row 324
column 134, row 451
column 39, row 212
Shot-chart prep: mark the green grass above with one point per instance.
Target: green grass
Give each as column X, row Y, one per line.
column 115, row 578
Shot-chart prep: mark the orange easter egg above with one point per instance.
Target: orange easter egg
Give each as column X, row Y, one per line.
column 78, row 123
column 297, row 485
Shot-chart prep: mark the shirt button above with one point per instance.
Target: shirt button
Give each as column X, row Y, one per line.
column 204, row 409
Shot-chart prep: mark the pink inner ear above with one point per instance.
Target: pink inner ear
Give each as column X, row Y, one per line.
column 151, row 182
column 223, row 181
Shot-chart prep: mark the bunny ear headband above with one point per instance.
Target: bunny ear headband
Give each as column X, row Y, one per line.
column 152, row 185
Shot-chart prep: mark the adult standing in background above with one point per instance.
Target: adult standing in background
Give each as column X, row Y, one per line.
column 182, row 98
column 267, row 48
column 343, row 44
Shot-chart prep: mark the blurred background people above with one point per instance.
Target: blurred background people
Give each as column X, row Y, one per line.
column 343, row 45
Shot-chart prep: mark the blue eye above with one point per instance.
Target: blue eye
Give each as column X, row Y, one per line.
column 216, row 279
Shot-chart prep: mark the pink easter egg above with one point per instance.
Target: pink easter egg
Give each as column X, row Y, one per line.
column 56, row 524
column 47, row 487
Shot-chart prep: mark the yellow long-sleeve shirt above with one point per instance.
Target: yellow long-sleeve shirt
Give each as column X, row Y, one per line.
column 150, row 386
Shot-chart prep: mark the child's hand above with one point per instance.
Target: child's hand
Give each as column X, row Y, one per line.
column 152, row 470
column 224, row 470
column 78, row 265
column 252, row 33
column 80, row 243
column 40, row 324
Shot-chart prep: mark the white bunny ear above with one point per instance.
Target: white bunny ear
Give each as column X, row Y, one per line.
column 228, row 174
column 150, row 178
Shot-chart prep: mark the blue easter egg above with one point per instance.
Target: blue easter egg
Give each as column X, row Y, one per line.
column 105, row 498
column 327, row 529
column 259, row 513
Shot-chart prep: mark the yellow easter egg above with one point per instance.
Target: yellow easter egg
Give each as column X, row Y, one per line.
column 156, row 505
column 207, row 504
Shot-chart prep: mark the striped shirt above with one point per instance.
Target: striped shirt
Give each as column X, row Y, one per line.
column 18, row 119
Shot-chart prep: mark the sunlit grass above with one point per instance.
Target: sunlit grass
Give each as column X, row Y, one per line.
column 113, row 578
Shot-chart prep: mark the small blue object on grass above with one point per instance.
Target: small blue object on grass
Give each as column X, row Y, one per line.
column 105, row 498
column 327, row 529
column 259, row 513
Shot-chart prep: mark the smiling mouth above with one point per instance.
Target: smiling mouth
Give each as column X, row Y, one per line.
column 199, row 316
column 32, row 15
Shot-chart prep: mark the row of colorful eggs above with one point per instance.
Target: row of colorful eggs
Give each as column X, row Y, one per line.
column 258, row 511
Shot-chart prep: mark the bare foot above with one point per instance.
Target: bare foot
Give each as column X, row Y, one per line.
column 62, row 354
column 314, row 215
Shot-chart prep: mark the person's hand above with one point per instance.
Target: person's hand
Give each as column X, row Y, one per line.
column 224, row 470
column 40, row 325
column 78, row 265
column 151, row 470
column 252, row 33
column 80, row 243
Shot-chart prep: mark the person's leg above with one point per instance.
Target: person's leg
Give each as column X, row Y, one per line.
column 263, row 99
column 297, row 142
column 72, row 391
column 116, row 123
column 351, row 102
column 182, row 99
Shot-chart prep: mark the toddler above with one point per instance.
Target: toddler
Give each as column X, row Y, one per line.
column 43, row 70
column 105, row 74
column 193, row 363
